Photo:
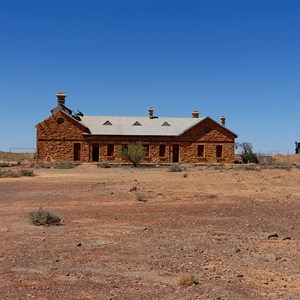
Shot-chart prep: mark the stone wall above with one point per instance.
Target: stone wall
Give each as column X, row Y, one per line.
column 57, row 135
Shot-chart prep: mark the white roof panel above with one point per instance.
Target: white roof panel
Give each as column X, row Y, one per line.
column 124, row 125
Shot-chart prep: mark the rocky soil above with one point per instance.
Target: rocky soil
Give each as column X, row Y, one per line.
column 130, row 233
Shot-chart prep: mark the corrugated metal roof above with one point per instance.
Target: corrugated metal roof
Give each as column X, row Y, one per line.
column 125, row 125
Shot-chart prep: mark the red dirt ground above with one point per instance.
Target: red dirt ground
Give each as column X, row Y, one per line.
column 213, row 222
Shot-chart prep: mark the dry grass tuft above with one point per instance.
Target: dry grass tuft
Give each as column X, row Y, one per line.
column 187, row 279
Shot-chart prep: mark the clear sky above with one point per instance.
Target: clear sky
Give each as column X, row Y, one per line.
column 238, row 58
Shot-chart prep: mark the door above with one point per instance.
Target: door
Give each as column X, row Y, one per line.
column 77, row 151
column 95, row 152
column 175, row 157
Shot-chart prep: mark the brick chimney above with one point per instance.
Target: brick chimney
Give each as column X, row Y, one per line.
column 195, row 114
column 223, row 119
column 61, row 96
column 151, row 111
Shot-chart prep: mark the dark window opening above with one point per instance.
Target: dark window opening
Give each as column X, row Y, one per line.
column 60, row 120
column 207, row 129
column 201, row 150
column 147, row 150
column 175, row 157
column 219, row 151
column 95, row 152
column 77, row 151
column 162, row 150
column 110, row 149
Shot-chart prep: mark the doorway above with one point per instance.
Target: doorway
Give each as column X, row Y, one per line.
column 77, row 151
column 95, row 152
column 175, row 156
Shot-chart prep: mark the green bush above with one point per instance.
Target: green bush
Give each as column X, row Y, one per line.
column 249, row 158
column 135, row 153
column 66, row 165
column 43, row 217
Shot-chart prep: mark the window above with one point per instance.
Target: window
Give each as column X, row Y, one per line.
column 60, row 120
column 110, row 150
column 201, row 150
column 219, row 151
column 162, row 150
column 147, row 152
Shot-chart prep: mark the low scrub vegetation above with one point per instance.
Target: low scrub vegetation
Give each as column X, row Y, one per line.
column 67, row 165
column 26, row 172
column 8, row 174
column 175, row 168
column 4, row 164
column 14, row 174
column 186, row 279
column 104, row 165
column 141, row 197
column 43, row 217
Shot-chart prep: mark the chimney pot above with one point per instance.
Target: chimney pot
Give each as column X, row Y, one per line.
column 61, row 98
column 151, row 111
column 223, row 119
column 195, row 114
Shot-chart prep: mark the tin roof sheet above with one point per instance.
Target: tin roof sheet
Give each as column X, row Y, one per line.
column 130, row 125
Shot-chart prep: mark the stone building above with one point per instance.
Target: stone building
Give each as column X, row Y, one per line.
column 69, row 136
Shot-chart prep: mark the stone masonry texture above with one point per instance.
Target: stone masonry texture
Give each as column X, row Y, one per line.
column 56, row 136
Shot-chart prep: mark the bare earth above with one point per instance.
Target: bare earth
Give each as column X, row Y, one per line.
column 213, row 222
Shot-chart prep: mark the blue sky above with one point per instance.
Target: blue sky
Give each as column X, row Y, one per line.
column 118, row 57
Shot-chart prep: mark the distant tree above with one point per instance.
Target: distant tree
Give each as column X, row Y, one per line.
column 247, row 155
column 134, row 153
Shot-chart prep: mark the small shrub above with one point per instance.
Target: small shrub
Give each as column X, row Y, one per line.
column 175, row 168
column 186, row 279
column 185, row 175
column 141, row 197
column 43, row 217
column 4, row 164
column 66, row 165
column 8, row 174
column 25, row 172
column 134, row 153
column 104, row 165
column 249, row 158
